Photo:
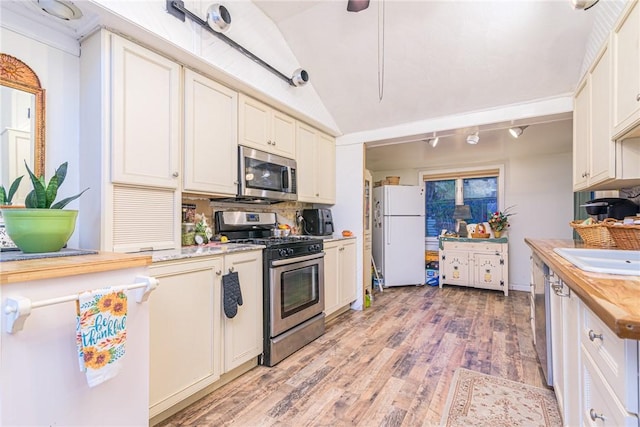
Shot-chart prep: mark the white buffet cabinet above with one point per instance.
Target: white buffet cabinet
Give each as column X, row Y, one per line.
column 193, row 345
column 477, row 263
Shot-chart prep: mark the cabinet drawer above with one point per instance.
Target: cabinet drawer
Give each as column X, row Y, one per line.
column 600, row 406
column 616, row 358
column 473, row 247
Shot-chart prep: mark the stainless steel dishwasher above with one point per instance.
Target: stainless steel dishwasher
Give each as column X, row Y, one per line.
column 542, row 286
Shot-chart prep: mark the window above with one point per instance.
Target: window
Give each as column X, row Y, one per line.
column 477, row 188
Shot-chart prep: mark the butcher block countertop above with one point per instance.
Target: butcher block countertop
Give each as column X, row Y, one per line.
column 48, row 268
column 614, row 298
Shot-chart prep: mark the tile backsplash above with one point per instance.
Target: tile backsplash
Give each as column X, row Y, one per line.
column 285, row 211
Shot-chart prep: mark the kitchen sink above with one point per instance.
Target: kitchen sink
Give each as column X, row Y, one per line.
column 610, row 261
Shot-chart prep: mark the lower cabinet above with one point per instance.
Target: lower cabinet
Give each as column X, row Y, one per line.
column 243, row 333
column 340, row 287
column 185, row 333
column 595, row 373
column 192, row 342
column 476, row 264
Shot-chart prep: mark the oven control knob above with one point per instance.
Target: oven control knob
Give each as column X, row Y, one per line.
column 282, row 252
column 290, row 251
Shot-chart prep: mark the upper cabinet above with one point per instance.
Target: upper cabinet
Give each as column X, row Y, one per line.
column 316, row 161
column 130, row 120
column 266, row 129
column 210, row 132
column 606, row 117
column 626, row 72
column 593, row 148
column 145, row 121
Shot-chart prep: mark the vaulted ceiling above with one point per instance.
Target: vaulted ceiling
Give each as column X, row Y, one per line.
column 439, row 58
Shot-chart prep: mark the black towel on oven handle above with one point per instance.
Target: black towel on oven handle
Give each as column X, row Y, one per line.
column 231, row 294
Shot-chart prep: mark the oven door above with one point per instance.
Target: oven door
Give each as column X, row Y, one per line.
column 297, row 291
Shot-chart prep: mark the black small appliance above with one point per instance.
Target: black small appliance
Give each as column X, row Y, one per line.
column 317, row 222
column 611, row 207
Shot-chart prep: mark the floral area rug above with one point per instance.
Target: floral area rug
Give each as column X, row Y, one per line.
column 477, row 399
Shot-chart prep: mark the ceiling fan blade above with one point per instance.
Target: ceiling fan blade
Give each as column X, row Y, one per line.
column 357, row 5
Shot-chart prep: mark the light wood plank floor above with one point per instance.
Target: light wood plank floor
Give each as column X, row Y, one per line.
column 390, row 365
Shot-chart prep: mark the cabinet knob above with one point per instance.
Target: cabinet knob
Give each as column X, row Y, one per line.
column 175, row 174
column 219, row 273
column 231, row 270
column 638, row 97
column 594, row 415
column 317, row 194
column 269, row 142
column 593, row 336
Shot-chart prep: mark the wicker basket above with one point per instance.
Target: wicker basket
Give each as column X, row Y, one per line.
column 393, row 180
column 626, row 236
column 594, row 234
column 480, row 235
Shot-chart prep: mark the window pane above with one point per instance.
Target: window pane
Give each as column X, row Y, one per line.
column 482, row 195
column 440, row 202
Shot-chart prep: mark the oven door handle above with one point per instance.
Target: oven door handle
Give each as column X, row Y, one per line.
column 280, row 262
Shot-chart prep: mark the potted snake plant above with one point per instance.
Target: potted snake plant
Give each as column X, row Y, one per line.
column 42, row 226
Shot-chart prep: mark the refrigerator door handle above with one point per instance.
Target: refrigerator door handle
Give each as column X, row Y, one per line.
column 387, row 231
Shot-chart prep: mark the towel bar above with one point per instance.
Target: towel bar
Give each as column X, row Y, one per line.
column 17, row 309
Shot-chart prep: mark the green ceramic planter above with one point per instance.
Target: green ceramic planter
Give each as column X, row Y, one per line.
column 39, row 230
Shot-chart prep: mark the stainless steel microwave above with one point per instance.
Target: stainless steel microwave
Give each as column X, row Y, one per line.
column 262, row 175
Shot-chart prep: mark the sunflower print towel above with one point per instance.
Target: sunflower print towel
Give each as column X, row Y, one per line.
column 101, row 333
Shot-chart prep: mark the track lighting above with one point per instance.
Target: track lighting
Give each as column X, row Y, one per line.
column 218, row 18
column 517, row 131
column 473, row 138
column 433, row 141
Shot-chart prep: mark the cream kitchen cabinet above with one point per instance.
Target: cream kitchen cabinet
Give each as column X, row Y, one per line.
column 265, row 128
column 243, row 333
column 626, row 71
column 479, row 264
column 340, row 287
column 594, row 152
column 185, row 330
column 145, row 116
column 316, row 161
column 210, row 136
column 130, row 120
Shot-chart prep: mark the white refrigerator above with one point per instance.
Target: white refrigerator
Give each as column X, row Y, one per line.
column 398, row 234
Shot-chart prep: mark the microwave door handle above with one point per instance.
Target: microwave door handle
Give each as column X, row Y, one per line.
column 285, row 179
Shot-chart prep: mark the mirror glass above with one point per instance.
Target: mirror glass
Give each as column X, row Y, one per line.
column 22, row 118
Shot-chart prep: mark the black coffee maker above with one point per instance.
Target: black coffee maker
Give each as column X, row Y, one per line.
column 611, row 207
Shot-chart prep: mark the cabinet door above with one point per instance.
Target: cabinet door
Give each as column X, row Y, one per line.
column 145, row 112
column 254, row 123
column 626, row 70
column 306, row 162
column 326, row 168
column 455, row 268
column 348, row 274
column 283, row 135
column 184, row 331
column 581, row 135
column 331, row 278
column 571, row 351
column 557, row 344
column 602, row 151
column 488, row 270
column 210, row 146
column 243, row 333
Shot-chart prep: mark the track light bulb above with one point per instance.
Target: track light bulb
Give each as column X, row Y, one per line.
column 218, row 18
column 433, row 141
column 300, row 77
column 473, row 139
column 517, row 131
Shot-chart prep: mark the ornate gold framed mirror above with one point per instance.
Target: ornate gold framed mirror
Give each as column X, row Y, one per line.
column 15, row 74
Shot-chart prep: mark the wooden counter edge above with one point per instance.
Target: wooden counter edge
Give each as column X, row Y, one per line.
column 623, row 327
column 49, row 268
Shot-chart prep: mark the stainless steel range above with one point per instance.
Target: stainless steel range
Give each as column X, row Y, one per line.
column 293, row 277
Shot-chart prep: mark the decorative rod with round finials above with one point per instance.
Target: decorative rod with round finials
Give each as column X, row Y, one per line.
column 218, row 21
